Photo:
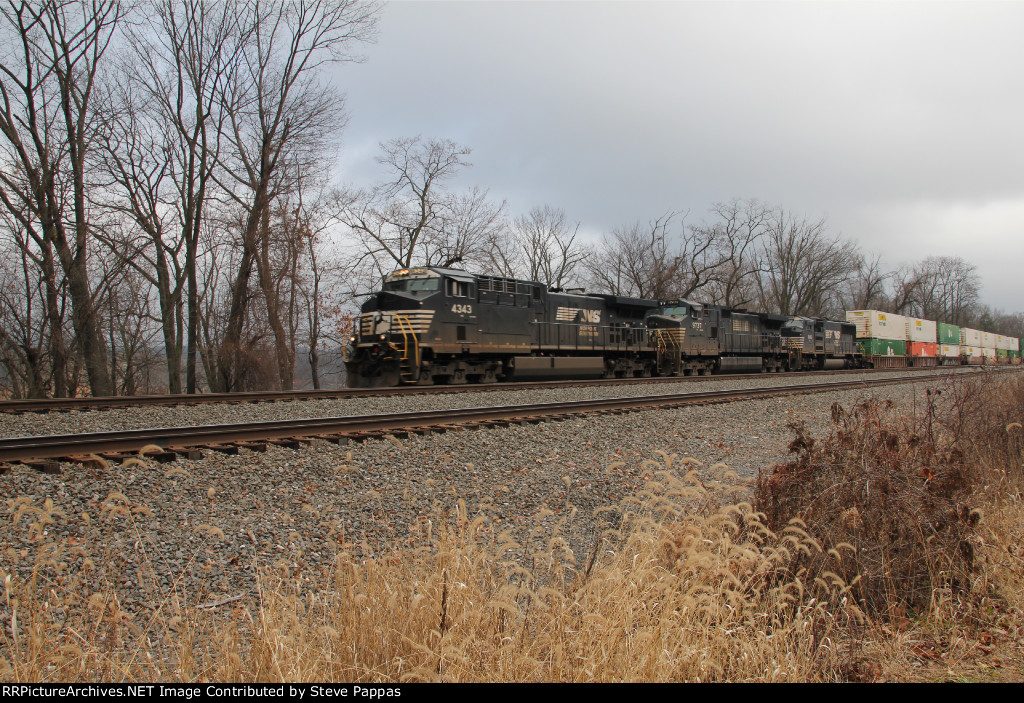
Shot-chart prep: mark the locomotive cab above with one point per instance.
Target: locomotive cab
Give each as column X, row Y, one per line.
column 386, row 343
column 816, row 343
column 685, row 335
column 798, row 334
column 440, row 325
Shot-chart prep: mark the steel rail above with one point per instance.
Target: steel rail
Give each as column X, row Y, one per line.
column 22, row 449
column 42, row 405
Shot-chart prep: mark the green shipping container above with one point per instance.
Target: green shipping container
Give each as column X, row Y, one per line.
column 948, row 334
column 1014, row 354
column 1002, row 353
column 883, row 347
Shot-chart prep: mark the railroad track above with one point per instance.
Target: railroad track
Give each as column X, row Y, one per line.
column 45, row 405
column 167, row 444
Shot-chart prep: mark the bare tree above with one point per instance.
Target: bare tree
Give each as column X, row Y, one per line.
column 737, row 234
column 867, row 287
column 944, row 288
column 652, row 261
column 469, row 223
column 804, row 266
column 47, row 85
column 162, row 137
column 412, row 218
column 24, row 322
column 324, row 278
column 541, row 246
column 280, row 119
column 126, row 304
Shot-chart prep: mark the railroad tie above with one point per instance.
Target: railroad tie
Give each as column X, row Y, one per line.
column 229, row 449
column 46, row 467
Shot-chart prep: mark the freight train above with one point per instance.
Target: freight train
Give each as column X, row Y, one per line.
column 890, row 340
column 433, row 325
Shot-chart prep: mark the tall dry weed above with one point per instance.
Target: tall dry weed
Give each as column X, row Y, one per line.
column 682, row 585
column 906, row 489
column 678, row 588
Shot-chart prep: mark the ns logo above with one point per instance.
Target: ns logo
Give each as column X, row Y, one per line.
column 578, row 315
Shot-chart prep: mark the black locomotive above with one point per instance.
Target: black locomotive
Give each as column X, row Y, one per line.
column 697, row 338
column 814, row 344
column 436, row 325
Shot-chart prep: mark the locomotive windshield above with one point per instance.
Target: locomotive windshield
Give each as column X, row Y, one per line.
column 413, row 284
column 680, row 310
column 412, row 280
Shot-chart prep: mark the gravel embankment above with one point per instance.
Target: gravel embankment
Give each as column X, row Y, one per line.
column 203, row 530
column 31, row 424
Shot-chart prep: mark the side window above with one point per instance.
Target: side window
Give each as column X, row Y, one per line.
column 457, row 289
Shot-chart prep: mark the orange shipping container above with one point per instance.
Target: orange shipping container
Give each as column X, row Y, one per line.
column 922, row 348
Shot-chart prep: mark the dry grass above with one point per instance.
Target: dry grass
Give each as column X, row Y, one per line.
column 932, row 502
column 687, row 583
column 681, row 588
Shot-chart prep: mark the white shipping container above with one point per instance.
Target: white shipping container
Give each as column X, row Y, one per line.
column 970, row 337
column 1014, row 343
column 949, row 350
column 1002, row 342
column 919, row 330
column 970, row 351
column 875, row 324
column 988, row 340
column 989, row 354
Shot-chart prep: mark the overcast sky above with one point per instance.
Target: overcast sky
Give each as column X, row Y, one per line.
column 901, row 123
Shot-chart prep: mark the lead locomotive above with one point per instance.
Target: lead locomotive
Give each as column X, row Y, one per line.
column 436, row 325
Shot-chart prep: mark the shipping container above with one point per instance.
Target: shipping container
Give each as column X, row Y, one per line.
column 969, row 337
column 971, row 353
column 948, row 334
column 919, row 330
column 949, row 354
column 874, row 324
column 989, row 354
column 988, row 340
column 1002, row 342
column 883, row 347
column 928, row 349
column 1002, row 354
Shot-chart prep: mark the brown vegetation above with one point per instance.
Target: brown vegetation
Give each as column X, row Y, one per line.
column 888, row 550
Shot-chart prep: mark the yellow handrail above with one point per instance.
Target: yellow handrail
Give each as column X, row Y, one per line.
column 668, row 343
column 406, row 330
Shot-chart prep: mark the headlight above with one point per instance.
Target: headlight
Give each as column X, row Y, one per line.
column 352, row 339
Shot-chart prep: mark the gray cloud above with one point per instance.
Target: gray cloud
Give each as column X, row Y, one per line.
column 902, row 122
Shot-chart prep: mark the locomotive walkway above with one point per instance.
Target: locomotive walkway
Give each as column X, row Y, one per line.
column 167, row 444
